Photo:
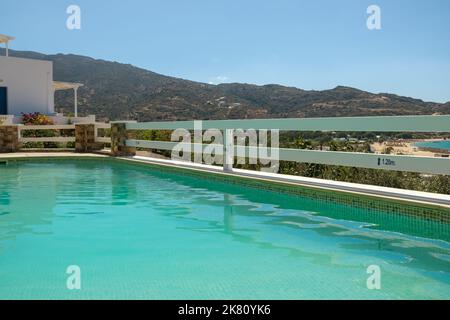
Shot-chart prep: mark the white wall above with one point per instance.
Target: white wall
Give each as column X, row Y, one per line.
column 29, row 83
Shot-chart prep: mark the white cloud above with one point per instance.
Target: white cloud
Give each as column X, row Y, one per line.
column 218, row 79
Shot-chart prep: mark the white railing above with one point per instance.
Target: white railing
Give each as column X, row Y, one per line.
column 46, row 139
column 426, row 124
column 102, row 126
column 24, row 128
column 356, row 124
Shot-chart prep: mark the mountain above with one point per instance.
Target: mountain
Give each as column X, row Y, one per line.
column 116, row 91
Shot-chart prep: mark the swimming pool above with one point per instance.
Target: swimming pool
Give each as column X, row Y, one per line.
column 138, row 232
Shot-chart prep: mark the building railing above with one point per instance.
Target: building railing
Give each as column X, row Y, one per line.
column 102, row 139
column 410, row 163
column 61, row 139
column 83, row 137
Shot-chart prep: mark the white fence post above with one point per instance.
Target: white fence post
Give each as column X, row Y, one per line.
column 228, row 150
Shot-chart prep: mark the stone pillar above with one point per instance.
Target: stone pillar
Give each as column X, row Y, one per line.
column 119, row 135
column 9, row 138
column 85, row 138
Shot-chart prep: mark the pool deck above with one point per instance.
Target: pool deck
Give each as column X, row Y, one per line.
column 18, row 155
column 427, row 198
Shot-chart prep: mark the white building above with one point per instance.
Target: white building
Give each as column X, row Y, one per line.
column 26, row 85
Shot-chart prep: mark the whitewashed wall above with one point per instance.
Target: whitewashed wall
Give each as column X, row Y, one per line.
column 29, row 83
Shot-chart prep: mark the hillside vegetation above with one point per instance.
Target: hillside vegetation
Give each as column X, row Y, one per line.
column 116, row 91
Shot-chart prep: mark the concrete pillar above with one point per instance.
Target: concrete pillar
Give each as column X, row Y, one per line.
column 9, row 138
column 119, row 135
column 85, row 138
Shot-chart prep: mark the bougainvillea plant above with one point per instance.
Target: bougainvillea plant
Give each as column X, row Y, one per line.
column 36, row 118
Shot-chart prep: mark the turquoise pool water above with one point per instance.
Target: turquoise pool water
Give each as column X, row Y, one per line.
column 443, row 144
column 141, row 233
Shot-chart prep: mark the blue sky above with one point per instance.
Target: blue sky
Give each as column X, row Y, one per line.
column 314, row 44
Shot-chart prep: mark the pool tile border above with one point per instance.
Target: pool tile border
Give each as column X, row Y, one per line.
column 358, row 200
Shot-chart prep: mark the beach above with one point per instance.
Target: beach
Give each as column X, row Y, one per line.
column 406, row 147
